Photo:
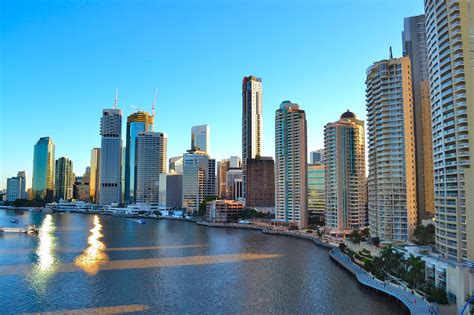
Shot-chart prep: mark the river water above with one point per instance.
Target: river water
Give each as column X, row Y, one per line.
column 105, row 264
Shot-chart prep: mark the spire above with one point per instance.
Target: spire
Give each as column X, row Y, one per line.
column 116, row 98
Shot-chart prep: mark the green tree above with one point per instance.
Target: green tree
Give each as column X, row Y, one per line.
column 415, row 270
column 424, row 235
column 355, row 237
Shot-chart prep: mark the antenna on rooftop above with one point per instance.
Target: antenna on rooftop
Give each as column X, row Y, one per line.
column 391, row 54
column 116, row 98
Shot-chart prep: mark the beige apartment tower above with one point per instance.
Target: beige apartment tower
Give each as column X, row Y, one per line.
column 392, row 171
column 450, row 41
column 346, row 194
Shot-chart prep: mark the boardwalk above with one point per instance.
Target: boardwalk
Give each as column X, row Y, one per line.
column 420, row 307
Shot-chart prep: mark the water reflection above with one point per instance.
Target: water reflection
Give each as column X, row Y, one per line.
column 45, row 264
column 94, row 255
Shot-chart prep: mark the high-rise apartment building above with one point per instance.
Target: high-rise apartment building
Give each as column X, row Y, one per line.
column 392, row 170
column 111, row 157
column 260, row 188
column 316, row 191
column 136, row 123
column 252, row 122
column 152, row 160
column 414, row 46
column 94, row 183
column 63, row 188
column 43, row 169
column 291, row 190
column 199, row 179
column 450, row 41
column 16, row 187
column 316, row 157
column 346, row 194
column 200, row 138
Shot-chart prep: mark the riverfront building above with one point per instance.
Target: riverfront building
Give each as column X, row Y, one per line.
column 200, row 138
column 199, row 179
column 136, row 123
column 233, row 187
column 346, row 194
column 414, row 46
column 392, row 169
column 291, row 190
column 64, row 179
column 316, row 191
column 450, row 41
column 111, row 157
column 16, row 187
column 223, row 211
column 43, row 169
column 171, row 191
column 260, row 189
column 151, row 161
column 94, row 183
column 252, row 124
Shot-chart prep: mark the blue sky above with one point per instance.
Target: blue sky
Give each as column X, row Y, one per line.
column 62, row 60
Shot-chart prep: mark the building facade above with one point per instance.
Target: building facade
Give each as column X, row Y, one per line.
column 151, row 161
column 222, row 168
column 450, row 33
column 260, row 188
column 176, row 165
column 136, row 123
column 252, row 122
column 65, row 179
column 392, row 171
column 223, row 211
column 291, row 177
column 346, row 194
column 16, row 187
column 233, row 187
column 199, row 179
column 111, row 157
column 171, row 191
column 316, row 191
column 200, row 138
column 316, row 157
column 43, row 169
column 94, row 185
column 414, row 46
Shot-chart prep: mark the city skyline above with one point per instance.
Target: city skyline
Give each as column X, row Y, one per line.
column 313, row 86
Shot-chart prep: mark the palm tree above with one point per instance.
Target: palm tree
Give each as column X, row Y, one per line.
column 415, row 270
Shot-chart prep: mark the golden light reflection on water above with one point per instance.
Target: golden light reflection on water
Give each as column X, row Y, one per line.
column 93, row 256
column 45, row 265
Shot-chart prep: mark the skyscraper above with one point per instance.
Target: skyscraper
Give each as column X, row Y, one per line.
column 222, row 168
column 233, row 187
column 152, row 160
column 199, row 179
column 94, row 184
column 200, row 138
column 252, row 122
column 136, row 123
column 16, row 187
column 316, row 191
column 43, row 169
column 111, row 156
column 392, row 170
column 64, row 179
column 291, row 190
column 414, row 46
column 171, row 191
column 346, row 194
column 450, row 33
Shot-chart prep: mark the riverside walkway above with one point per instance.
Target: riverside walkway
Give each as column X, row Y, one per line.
column 414, row 303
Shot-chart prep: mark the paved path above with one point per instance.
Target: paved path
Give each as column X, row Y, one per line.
column 420, row 307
